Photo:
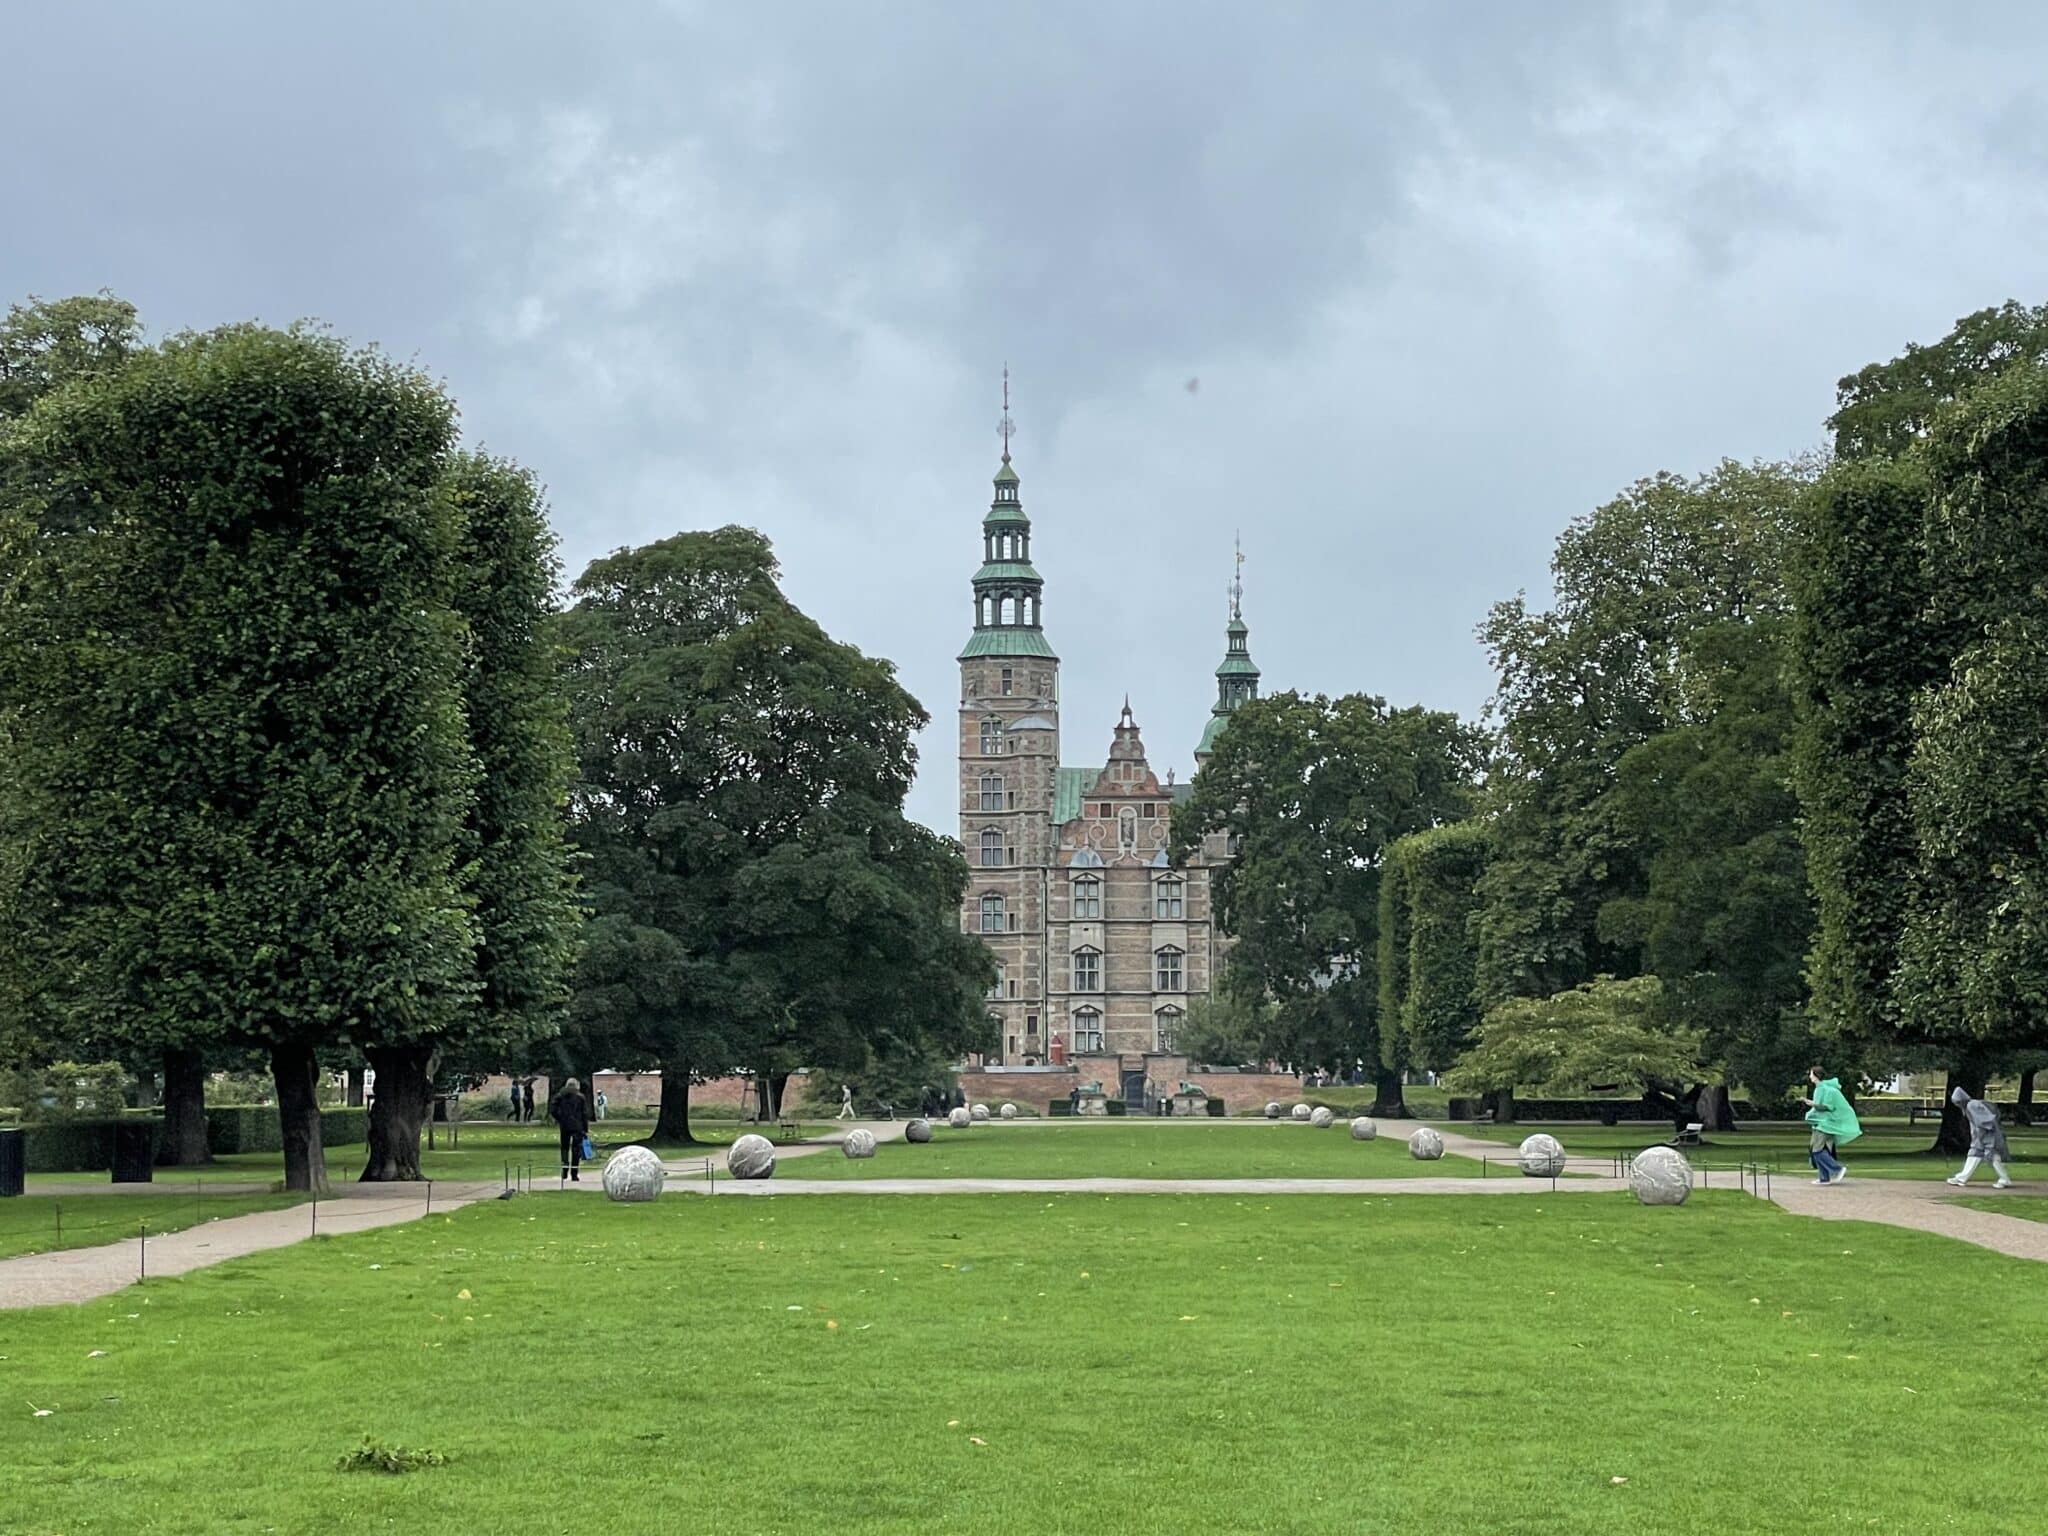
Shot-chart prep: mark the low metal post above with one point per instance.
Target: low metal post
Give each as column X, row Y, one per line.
column 58, row 1206
column 142, row 1253
column 430, row 1197
column 316, row 1214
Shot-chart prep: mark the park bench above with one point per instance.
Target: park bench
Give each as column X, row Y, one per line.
column 1484, row 1117
column 1689, row 1137
column 1922, row 1111
column 787, row 1126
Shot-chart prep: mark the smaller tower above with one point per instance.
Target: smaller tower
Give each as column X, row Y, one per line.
column 1237, row 678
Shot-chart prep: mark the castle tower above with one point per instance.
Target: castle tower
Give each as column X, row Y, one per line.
column 1237, row 678
column 1009, row 748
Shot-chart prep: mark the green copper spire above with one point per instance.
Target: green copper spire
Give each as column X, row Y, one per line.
column 1237, row 678
column 1008, row 593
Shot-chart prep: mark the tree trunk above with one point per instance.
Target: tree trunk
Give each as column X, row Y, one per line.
column 673, row 1122
column 1502, row 1102
column 778, row 1082
column 1387, row 1102
column 1715, row 1111
column 1954, row 1137
column 296, row 1075
column 352, row 1087
column 2026, row 1114
column 761, row 1109
column 184, row 1144
column 405, row 1097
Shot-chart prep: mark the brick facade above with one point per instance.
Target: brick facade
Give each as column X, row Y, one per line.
column 1038, row 1088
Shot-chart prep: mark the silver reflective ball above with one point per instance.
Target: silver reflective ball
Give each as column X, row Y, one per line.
column 1426, row 1145
column 751, row 1157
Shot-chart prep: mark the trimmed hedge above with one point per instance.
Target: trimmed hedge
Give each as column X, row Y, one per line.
column 254, row 1128
column 1586, row 1109
column 77, row 1146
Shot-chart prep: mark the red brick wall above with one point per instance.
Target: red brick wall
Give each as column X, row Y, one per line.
column 1241, row 1092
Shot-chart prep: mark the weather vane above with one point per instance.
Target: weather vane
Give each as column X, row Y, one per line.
column 1006, row 428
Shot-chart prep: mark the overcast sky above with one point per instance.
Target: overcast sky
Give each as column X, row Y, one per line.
column 1447, row 275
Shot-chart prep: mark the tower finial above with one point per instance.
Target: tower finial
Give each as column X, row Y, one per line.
column 1237, row 580
column 1006, row 428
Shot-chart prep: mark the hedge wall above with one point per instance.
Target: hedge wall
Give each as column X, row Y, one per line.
column 76, row 1146
column 254, row 1128
column 1586, row 1109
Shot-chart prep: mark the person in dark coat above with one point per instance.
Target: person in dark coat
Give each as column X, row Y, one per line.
column 571, row 1114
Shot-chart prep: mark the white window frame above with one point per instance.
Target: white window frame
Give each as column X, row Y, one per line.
column 991, row 792
column 992, row 906
column 1160, row 958
column 1088, row 1035
column 1093, row 956
column 991, row 842
column 1169, row 899
column 1087, row 899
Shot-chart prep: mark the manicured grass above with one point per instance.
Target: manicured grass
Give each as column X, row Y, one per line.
column 46, row 1223
column 1133, row 1149
column 1014, row 1363
column 2029, row 1207
column 1884, row 1151
column 484, row 1148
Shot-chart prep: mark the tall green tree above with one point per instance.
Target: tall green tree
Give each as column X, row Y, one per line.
column 513, row 852
column 1429, row 906
column 1883, row 409
column 1311, row 791
column 244, row 722
column 1592, row 678
column 757, row 898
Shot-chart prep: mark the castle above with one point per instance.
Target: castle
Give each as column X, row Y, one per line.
column 1102, row 943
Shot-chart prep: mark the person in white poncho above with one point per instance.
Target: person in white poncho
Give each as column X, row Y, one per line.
column 1987, row 1140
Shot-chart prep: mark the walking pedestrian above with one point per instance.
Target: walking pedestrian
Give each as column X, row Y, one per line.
column 1987, row 1140
column 846, row 1101
column 1834, row 1126
column 603, row 1103
column 526, row 1101
column 572, row 1119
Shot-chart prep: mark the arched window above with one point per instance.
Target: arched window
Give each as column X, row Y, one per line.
column 1087, row 970
column 991, row 792
column 991, row 848
column 1166, row 969
column 1167, row 1023
column 1087, row 898
column 991, row 913
column 991, row 738
column 1087, row 1030
column 1167, row 901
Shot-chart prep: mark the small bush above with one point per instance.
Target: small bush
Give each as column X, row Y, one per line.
column 375, row 1456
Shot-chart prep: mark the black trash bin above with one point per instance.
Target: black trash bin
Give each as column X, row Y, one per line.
column 134, row 1152
column 13, row 1161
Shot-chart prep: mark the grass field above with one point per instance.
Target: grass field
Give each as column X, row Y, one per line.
column 485, row 1148
column 2029, row 1207
column 1133, row 1149
column 1886, row 1150
column 46, row 1223
column 1018, row 1363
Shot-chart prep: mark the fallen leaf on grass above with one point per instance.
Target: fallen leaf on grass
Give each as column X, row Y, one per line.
column 831, row 1325
column 1616, row 1482
column 463, row 1294
column 952, row 1423
column 95, row 1354
column 976, row 1440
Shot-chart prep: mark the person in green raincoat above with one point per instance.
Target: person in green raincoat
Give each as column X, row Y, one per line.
column 1834, row 1126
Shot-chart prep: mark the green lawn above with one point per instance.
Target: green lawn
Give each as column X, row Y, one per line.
column 45, row 1223
column 1133, row 1149
column 2031, row 1207
column 1017, row 1363
column 1887, row 1150
column 483, row 1150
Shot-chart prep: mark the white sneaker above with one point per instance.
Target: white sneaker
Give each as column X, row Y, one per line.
column 1841, row 1173
column 1955, row 1179
column 1820, row 1181
column 2003, row 1184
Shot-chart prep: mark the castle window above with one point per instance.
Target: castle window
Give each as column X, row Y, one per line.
column 1087, row 898
column 1004, row 682
column 991, row 792
column 1167, row 903
column 1149, row 811
column 1087, row 1031
column 1087, row 970
column 1166, row 969
column 1167, row 1026
column 991, row 848
column 991, row 738
column 991, row 914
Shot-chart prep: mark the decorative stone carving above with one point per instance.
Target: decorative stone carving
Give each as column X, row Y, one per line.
column 1301, row 1112
column 1425, row 1146
column 751, row 1157
column 1362, row 1129
column 1541, row 1156
column 1321, row 1118
column 1660, row 1176
column 1009, row 1111
column 919, row 1131
column 1272, row 1110
column 959, row 1119
column 980, row 1112
column 633, row 1174
column 858, row 1143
